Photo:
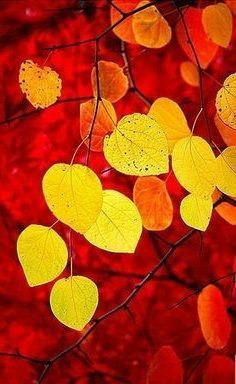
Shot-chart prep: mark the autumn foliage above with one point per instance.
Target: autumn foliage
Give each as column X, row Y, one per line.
column 118, row 210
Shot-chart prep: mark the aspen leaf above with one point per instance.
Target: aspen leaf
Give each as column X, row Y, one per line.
column 74, row 195
column 42, row 254
column 220, row 370
column 113, row 83
column 194, row 165
column 137, row 147
column 150, row 28
column 165, row 368
column 42, row 86
column 232, row 6
column 226, row 101
column 228, row 134
column 225, row 210
column 226, row 171
column 74, row 301
column 214, row 319
column 217, row 21
column 171, row 119
column 124, row 30
column 196, row 211
column 153, row 202
column 205, row 48
column 118, row 227
column 104, row 123
column 189, row 73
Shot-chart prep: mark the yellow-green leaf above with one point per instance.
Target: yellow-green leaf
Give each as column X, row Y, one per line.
column 119, row 225
column 137, row 146
column 171, row 119
column 73, row 194
column 194, row 165
column 196, row 211
column 217, row 21
column 226, row 171
column 226, row 101
column 74, row 300
column 42, row 254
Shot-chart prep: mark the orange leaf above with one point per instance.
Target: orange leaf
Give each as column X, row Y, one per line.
column 189, row 73
column 217, row 22
column 104, row 123
column 205, row 49
column 153, row 202
column 150, row 28
column 225, row 210
column 124, row 30
column 220, row 370
column 232, row 5
column 165, row 368
column 227, row 133
column 113, row 83
column 214, row 320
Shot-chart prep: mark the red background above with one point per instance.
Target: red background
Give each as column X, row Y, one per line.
column 121, row 348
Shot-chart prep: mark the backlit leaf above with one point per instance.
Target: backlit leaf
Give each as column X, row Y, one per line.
column 104, row 123
column 189, row 73
column 124, row 30
column 150, row 28
column 194, row 165
column 220, row 370
column 226, row 210
column 227, row 133
column 42, row 86
column 232, row 6
column 171, row 119
column 226, row 171
column 74, row 300
column 113, row 83
column 214, row 320
column 205, row 48
column 137, row 146
column 196, row 211
column 42, row 254
column 74, row 195
column 217, row 21
column 165, row 368
column 119, row 225
column 153, row 202
column 226, row 101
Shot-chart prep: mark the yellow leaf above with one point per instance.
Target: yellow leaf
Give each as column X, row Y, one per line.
column 42, row 254
column 194, row 165
column 217, row 21
column 119, row 225
column 113, row 83
column 226, row 171
column 137, row 146
column 150, row 28
column 153, row 202
column 226, row 101
column 42, row 86
column 74, row 300
column 189, row 73
column 171, row 119
column 74, row 195
column 196, row 211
